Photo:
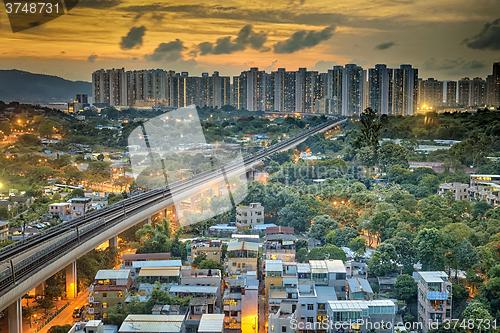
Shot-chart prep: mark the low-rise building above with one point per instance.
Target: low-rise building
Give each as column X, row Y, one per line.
column 211, row 323
column 223, row 229
column 129, row 258
column 79, row 206
column 330, row 273
column 138, row 265
column 280, row 246
column 60, row 210
column 241, row 299
column 359, row 289
column 22, row 200
column 248, row 216
column 312, row 303
column 434, row 297
column 241, row 257
column 111, row 287
column 203, row 277
column 386, row 284
column 282, row 320
column 8, row 204
column 165, row 275
column 459, row 190
column 141, row 323
column 212, row 249
column 360, row 316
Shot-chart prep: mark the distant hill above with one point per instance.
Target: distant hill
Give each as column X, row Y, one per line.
column 26, row 87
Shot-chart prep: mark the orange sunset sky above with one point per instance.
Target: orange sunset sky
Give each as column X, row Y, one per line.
column 445, row 39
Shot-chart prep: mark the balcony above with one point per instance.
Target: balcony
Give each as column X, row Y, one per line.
column 437, row 295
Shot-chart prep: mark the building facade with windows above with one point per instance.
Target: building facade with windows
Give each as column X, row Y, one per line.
column 434, row 297
column 248, row 216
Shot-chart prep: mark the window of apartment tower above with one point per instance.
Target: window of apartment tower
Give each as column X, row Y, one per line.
column 310, row 319
column 283, row 329
column 310, row 306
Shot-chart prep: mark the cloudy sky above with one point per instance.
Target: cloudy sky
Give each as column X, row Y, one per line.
column 445, row 39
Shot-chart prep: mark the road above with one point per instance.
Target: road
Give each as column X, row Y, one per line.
column 66, row 316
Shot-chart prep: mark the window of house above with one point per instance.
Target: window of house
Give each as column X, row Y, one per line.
column 283, row 329
column 310, row 319
column 310, row 306
column 120, row 294
column 104, row 305
column 104, row 294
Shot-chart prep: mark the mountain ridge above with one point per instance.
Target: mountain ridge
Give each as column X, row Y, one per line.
column 26, row 87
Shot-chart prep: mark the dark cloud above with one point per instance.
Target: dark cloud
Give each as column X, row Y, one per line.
column 447, row 64
column 487, row 39
column 385, row 46
column 324, row 66
column 474, row 64
column 133, row 38
column 226, row 45
column 170, row 51
column 285, row 16
column 303, row 39
column 92, row 58
column 99, row 4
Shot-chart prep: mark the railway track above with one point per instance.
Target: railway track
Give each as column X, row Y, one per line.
column 24, row 258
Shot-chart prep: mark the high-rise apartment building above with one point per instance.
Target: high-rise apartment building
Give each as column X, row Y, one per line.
column 380, row 89
column 158, row 87
column 405, row 94
column 463, row 91
column 489, row 90
column 451, row 93
column 496, row 84
column 284, row 90
column 352, row 90
column 430, row 93
column 392, row 91
column 477, row 90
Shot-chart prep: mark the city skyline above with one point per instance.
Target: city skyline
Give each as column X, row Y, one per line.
column 343, row 90
column 445, row 40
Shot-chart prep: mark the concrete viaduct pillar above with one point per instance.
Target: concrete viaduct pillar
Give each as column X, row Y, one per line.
column 113, row 242
column 71, row 281
column 15, row 316
column 39, row 289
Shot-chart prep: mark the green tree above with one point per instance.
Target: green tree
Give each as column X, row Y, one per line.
column 46, row 129
column 301, row 243
column 59, row 329
column 406, row 288
column 198, row 260
column 4, row 213
column 357, row 244
column 383, row 260
column 211, row 264
column 301, row 255
column 475, row 311
column 390, row 154
column 328, row 251
column 370, row 128
column 76, row 193
column 431, row 249
column 5, row 127
column 155, row 239
column 45, row 303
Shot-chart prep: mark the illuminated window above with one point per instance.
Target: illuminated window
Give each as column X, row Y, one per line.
column 120, row 294
column 104, row 305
